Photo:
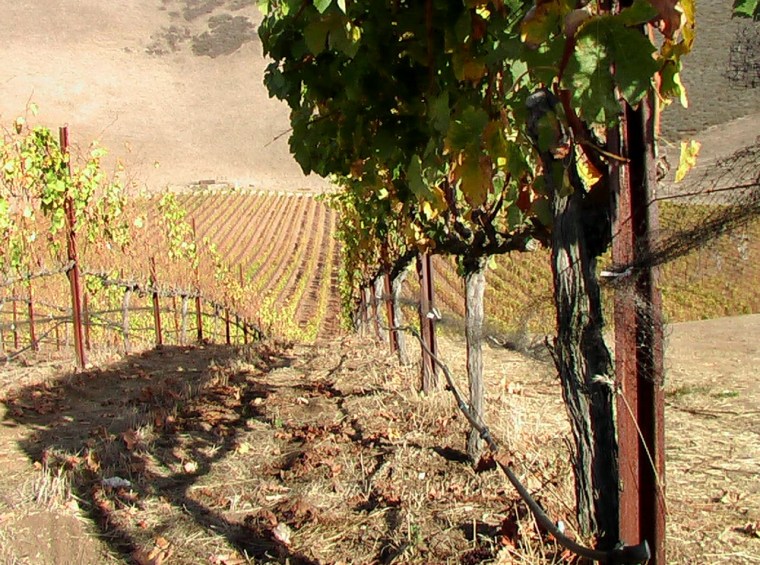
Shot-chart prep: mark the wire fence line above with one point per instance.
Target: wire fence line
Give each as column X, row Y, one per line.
column 706, row 250
column 116, row 319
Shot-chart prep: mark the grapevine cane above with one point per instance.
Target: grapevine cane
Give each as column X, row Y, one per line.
column 620, row 555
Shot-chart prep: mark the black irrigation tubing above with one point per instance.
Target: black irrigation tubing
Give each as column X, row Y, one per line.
column 621, row 554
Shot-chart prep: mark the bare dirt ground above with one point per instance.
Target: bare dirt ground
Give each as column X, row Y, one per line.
column 174, row 87
column 325, row 454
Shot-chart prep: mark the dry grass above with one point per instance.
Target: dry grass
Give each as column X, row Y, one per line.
column 280, row 453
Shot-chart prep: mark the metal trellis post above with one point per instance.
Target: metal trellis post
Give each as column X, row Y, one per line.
column 638, row 334
column 73, row 256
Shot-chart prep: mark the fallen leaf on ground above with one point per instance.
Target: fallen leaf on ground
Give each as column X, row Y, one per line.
column 130, row 439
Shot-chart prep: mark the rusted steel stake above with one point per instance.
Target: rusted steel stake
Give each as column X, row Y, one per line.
column 73, row 256
column 638, row 335
column 227, row 337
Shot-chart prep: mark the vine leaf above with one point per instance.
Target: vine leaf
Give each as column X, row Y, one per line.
column 602, row 43
column 634, row 64
column 670, row 16
column 541, row 22
column 747, row 9
column 688, row 158
column 322, row 5
column 475, row 174
column 640, row 12
column 315, row 36
column 670, row 83
column 587, row 76
column 466, row 131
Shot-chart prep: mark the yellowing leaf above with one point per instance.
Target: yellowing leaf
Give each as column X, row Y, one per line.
column 243, row 448
column 475, row 174
column 688, row 159
column 589, row 174
column 540, row 22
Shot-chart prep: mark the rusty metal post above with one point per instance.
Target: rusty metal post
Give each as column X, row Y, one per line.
column 227, row 337
column 156, row 304
column 176, row 319
column 73, row 256
column 638, row 335
column 428, row 319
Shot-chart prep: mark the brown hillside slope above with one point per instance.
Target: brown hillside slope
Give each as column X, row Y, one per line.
column 135, row 75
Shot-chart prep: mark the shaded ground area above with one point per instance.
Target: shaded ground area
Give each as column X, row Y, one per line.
column 281, row 453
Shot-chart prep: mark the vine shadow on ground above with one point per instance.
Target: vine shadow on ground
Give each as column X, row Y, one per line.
column 125, row 422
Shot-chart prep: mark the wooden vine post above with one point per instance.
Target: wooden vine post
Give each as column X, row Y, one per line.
column 73, row 256
column 390, row 313
column 428, row 320
column 32, row 329
column 14, row 311
column 156, row 304
column 198, row 305
column 245, row 321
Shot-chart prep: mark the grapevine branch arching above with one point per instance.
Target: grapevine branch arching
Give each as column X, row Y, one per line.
column 620, row 555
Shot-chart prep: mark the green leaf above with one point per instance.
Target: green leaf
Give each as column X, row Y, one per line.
column 415, row 179
column 322, row 5
column 640, row 12
column 315, row 36
column 465, row 131
column 634, row 65
column 438, row 110
column 541, row 22
column 588, row 76
column 515, row 217
column 601, row 43
column 747, row 9
column 541, row 208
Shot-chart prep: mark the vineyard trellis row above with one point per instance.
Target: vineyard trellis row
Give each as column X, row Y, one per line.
column 53, row 325
column 233, row 265
column 482, row 128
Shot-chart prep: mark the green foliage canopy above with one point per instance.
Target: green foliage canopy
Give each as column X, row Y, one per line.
column 417, row 109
